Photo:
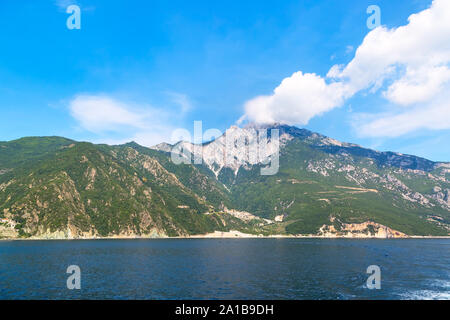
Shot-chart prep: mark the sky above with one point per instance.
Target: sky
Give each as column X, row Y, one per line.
column 139, row 70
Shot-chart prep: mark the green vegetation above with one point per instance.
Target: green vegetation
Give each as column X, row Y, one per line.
column 52, row 184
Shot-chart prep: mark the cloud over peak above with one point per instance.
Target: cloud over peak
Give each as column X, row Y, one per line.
column 408, row 66
column 296, row 100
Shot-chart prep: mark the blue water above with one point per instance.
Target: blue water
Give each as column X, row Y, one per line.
column 226, row 269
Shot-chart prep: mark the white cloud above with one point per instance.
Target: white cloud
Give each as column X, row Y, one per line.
column 411, row 64
column 435, row 116
column 418, row 85
column 102, row 113
column 106, row 116
column 414, row 55
column 296, row 100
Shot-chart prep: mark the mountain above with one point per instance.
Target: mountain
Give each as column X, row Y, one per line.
column 66, row 189
column 324, row 184
column 53, row 187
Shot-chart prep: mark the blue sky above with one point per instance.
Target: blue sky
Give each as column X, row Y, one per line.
column 136, row 71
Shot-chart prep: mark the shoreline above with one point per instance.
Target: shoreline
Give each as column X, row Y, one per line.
column 228, row 235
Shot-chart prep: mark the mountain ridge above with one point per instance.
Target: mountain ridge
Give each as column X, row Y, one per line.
column 53, row 187
column 326, row 143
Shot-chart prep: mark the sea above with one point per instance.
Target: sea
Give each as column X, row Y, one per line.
column 275, row 269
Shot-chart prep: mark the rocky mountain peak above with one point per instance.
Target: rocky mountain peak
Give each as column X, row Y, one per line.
column 234, row 148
